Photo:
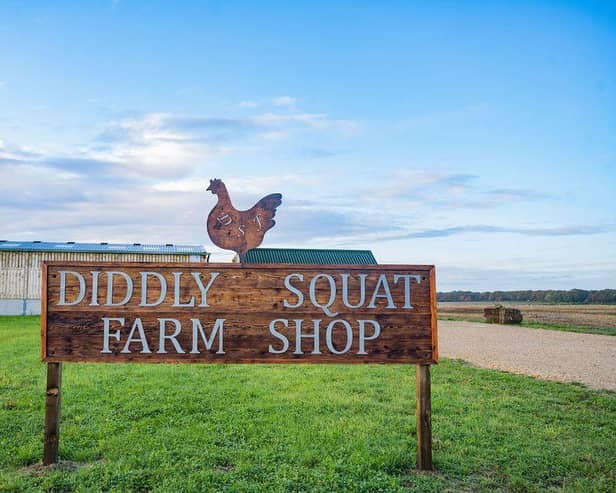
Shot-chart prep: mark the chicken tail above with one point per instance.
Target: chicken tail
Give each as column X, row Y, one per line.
column 270, row 203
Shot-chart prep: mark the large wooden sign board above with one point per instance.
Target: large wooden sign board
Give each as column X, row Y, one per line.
column 229, row 313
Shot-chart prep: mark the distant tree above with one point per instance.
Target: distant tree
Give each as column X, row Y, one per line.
column 604, row 296
column 578, row 295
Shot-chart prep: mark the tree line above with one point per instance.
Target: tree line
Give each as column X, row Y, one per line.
column 602, row 296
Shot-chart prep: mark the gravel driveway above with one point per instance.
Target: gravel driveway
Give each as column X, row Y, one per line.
column 549, row 354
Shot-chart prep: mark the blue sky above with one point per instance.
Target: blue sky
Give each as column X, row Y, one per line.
column 476, row 136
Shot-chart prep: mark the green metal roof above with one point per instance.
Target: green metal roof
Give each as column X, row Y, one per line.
column 308, row 256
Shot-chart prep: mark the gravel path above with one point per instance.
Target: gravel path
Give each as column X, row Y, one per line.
column 549, row 354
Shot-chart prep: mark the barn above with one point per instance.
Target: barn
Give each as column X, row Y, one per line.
column 307, row 256
column 20, row 265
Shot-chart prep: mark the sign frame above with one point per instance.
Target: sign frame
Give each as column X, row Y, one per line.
column 263, row 297
column 423, row 385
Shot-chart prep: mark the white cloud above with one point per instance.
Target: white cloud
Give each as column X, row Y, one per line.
column 168, row 145
column 284, row 101
column 280, row 101
column 188, row 185
column 255, row 185
column 157, row 158
column 150, row 147
column 30, row 187
column 249, row 104
column 316, row 121
column 145, row 178
column 275, row 135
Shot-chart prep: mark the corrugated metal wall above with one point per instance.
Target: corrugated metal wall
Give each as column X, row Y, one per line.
column 20, row 272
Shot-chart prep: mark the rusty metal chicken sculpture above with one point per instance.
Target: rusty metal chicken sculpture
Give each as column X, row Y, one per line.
column 235, row 230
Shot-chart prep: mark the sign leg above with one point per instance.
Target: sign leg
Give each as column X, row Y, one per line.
column 52, row 413
column 424, row 418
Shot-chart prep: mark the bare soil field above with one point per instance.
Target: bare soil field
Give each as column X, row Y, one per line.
column 587, row 316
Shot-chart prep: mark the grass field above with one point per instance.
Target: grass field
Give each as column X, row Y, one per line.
column 590, row 319
column 296, row 428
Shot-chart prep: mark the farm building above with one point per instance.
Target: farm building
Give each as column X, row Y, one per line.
column 307, row 256
column 20, row 265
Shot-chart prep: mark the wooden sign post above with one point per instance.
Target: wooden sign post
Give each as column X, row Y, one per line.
column 52, row 413
column 228, row 313
column 423, row 397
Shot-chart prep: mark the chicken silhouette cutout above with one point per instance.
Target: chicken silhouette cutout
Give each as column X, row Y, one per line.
column 235, row 230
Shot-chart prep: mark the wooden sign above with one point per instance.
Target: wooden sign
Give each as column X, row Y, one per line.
column 236, row 230
column 226, row 313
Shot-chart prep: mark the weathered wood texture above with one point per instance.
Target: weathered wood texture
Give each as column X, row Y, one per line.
column 424, row 418
column 248, row 299
column 52, row 413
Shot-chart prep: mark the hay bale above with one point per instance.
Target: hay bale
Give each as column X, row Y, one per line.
column 512, row 316
column 493, row 314
column 501, row 315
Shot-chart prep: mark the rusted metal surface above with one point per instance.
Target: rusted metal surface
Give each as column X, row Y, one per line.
column 235, row 230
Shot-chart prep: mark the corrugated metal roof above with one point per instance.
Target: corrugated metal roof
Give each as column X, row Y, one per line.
column 308, row 256
column 49, row 246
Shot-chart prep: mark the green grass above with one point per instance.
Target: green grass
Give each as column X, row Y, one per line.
column 606, row 331
column 297, row 428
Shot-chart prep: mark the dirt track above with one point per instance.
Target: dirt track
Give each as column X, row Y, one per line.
column 549, row 354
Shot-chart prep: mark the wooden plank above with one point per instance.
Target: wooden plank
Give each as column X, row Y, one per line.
column 260, row 284
column 364, row 314
column 434, row 323
column 43, row 311
column 424, row 418
column 248, row 289
column 52, row 413
column 232, row 266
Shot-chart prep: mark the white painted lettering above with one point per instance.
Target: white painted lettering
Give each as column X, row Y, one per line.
column 144, row 288
column 294, row 290
column 299, row 336
column 362, row 334
column 106, row 334
column 332, row 293
column 345, row 290
column 407, row 286
column 163, row 336
column 329, row 336
column 197, row 330
column 82, row 288
column 275, row 333
column 129, row 288
column 204, row 290
column 382, row 281
column 138, row 326
column 177, row 291
column 95, row 275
